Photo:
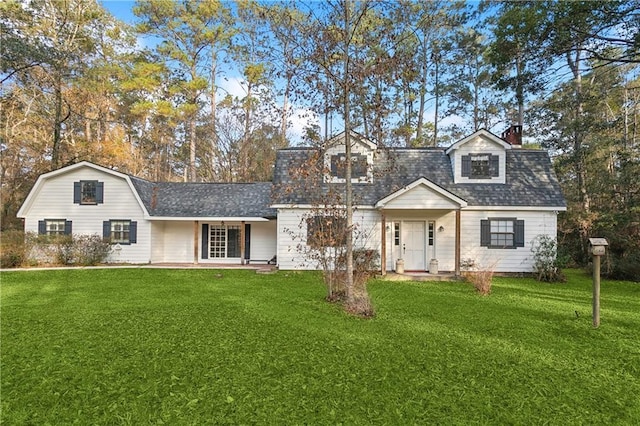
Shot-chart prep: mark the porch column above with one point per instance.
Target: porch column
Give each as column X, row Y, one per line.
column 196, row 227
column 242, row 243
column 383, row 246
column 458, row 243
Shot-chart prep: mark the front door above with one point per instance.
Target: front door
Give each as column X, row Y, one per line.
column 413, row 246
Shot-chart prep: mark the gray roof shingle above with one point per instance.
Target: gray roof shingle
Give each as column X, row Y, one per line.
column 186, row 199
column 530, row 179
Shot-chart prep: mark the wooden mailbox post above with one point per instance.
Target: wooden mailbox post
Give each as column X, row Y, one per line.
column 598, row 249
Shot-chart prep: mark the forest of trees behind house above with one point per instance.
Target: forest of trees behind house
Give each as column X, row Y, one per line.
column 149, row 98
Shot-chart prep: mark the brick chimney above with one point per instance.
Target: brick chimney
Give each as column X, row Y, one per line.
column 513, row 135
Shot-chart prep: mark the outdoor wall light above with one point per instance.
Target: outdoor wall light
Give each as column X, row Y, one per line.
column 441, row 229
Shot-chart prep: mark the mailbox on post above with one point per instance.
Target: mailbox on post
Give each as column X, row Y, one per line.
column 598, row 248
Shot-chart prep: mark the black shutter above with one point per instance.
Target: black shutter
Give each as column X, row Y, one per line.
column 335, row 159
column 76, row 192
column 247, row 241
column 67, row 227
column 466, row 166
column 42, row 227
column 518, row 227
column 204, row 245
column 133, row 232
column 485, row 233
column 99, row 192
column 106, row 229
column 494, row 165
column 360, row 166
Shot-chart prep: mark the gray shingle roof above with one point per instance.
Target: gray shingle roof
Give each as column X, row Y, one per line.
column 530, row 180
column 185, row 199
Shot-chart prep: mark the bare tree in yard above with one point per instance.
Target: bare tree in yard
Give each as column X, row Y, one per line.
column 321, row 234
column 347, row 47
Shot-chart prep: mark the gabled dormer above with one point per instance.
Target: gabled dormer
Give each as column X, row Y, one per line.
column 479, row 158
column 362, row 154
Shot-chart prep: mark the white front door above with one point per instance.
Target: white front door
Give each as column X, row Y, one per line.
column 413, row 246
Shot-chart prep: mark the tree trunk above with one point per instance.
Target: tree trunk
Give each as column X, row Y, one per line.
column 437, row 96
column 347, row 141
column 423, row 93
column 214, row 134
column 578, row 135
column 57, row 124
column 519, row 89
column 192, row 149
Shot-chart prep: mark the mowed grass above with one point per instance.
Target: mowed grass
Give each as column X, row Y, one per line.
column 196, row 346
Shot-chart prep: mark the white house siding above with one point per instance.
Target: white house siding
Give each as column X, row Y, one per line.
column 157, row 242
column 54, row 200
column 292, row 235
column 505, row 260
column 263, row 240
column 172, row 241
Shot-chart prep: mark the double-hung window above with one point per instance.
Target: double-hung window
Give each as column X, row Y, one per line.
column 502, row 233
column 119, row 231
column 54, row 227
column 480, row 167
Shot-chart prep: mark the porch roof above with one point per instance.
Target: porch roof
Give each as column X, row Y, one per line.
column 421, row 194
column 189, row 200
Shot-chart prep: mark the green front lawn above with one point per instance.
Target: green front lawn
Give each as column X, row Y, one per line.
column 196, row 346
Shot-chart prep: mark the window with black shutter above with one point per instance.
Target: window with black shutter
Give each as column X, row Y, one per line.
column 501, row 233
column 54, row 227
column 326, row 231
column 480, row 166
column 358, row 166
column 88, row 192
column 119, row 231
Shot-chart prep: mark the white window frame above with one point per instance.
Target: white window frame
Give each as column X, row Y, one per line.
column 120, row 231
column 55, row 226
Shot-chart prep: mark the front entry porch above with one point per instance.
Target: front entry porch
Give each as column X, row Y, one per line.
column 421, row 229
column 420, row 242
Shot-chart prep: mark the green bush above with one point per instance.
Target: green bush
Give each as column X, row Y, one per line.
column 546, row 262
column 625, row 267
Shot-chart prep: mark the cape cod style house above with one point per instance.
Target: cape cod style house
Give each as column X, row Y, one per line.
column 483, row 199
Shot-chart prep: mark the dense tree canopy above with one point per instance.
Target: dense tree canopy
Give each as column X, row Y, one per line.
column 157, row 99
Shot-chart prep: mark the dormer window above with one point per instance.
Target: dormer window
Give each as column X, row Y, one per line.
column 480, row 166
column 358, row 166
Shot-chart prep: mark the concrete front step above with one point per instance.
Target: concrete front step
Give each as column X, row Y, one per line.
column 420, row 276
